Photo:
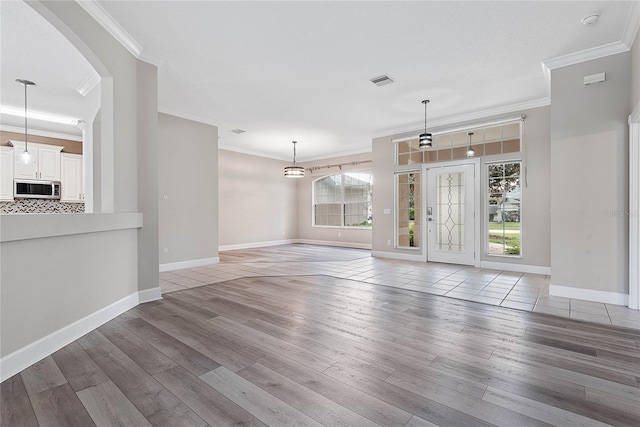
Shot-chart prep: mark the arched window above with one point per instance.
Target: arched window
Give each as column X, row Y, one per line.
column 343, row 200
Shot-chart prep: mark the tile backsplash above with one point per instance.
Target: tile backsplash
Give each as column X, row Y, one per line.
column 22, row 206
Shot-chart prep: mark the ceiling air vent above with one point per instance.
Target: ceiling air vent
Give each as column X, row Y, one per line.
column 382, row 80
column 237, row 131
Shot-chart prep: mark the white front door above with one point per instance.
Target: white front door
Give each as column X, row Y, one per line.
column 450, row 214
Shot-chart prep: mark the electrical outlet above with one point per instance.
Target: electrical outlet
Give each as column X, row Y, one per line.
column 388, row 242
column 166, row 249
column 339, row 234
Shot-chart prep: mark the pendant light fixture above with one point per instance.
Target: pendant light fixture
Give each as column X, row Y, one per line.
column 470, row 151
column 25, row 156
column 426, row 139
column 294, row 171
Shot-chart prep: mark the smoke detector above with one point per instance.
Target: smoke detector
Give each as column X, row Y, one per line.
column 590, row 19
column 238, row 131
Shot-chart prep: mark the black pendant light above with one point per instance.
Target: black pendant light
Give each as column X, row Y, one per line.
column 470, row 151
column 426, row 139
column 25, row 156
column 294, row 171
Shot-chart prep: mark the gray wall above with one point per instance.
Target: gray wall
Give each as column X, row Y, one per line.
column 188, row 189
column 257, row 203
column 589, row 175
column 81, row 273
column 73, row 277
column 147, row 130
column 535, row 205
column 635, row 71
column 336, row 236
column 536, row 202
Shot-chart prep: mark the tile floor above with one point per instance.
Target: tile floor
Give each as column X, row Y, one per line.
column 528, row 292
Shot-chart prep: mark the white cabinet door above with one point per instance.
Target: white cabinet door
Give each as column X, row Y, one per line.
column 49, row 163
column 71, row 178
column 6, row 173
column 43, row 165
column 25, row 170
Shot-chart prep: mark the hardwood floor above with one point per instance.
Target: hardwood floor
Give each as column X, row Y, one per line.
column 320, row 350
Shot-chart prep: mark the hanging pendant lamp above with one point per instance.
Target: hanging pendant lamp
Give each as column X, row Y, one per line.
column 25, row 156
column 426, row 139
column 294, row 171
column 470, row 151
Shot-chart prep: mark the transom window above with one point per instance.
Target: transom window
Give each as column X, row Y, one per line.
column 486, row 140
column 343, row 200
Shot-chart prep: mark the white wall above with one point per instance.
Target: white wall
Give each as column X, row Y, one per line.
column 333, row 236
column 188, row 189
column 257, row 203
column 589, row 178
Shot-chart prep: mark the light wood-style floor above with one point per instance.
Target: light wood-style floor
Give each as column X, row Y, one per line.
column 319, row 350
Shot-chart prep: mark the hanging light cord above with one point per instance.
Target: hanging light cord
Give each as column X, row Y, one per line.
column 425, row 117
column 26, row 146
column 294, row 153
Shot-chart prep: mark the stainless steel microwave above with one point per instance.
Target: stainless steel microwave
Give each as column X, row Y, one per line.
column 32, row 189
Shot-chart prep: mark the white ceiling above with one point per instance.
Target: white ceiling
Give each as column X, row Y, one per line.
column 287, row 71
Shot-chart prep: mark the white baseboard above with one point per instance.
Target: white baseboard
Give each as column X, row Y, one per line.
column 519, row 268
column 170, row 266
column 395, row 255
column 589, row 295
column 332, row 243
column 22, row 358
column 149, row 295
column 255, row 245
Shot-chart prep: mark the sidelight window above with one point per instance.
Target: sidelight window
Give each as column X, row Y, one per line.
column 408, row 209
column 504, row 209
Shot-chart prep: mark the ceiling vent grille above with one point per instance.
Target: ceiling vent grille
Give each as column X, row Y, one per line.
column 382, row 80
column 238, row 131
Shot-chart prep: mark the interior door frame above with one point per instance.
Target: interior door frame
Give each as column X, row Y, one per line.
column 477, row 203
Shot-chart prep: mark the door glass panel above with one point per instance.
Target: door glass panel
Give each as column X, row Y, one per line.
column 450, row 212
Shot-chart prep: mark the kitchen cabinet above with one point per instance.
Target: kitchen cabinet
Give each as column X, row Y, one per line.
column 71, row 178
column 44, row 164
column 6, row 173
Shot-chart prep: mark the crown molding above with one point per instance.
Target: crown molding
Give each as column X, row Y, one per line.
column 192, row 117
column 97, row 12
column 633, row 24
column 480, row 115
column 235, row 149
column 152, row 58
column 69, row 137
column 363, row 150
column 88, row 83
column 586, row 55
